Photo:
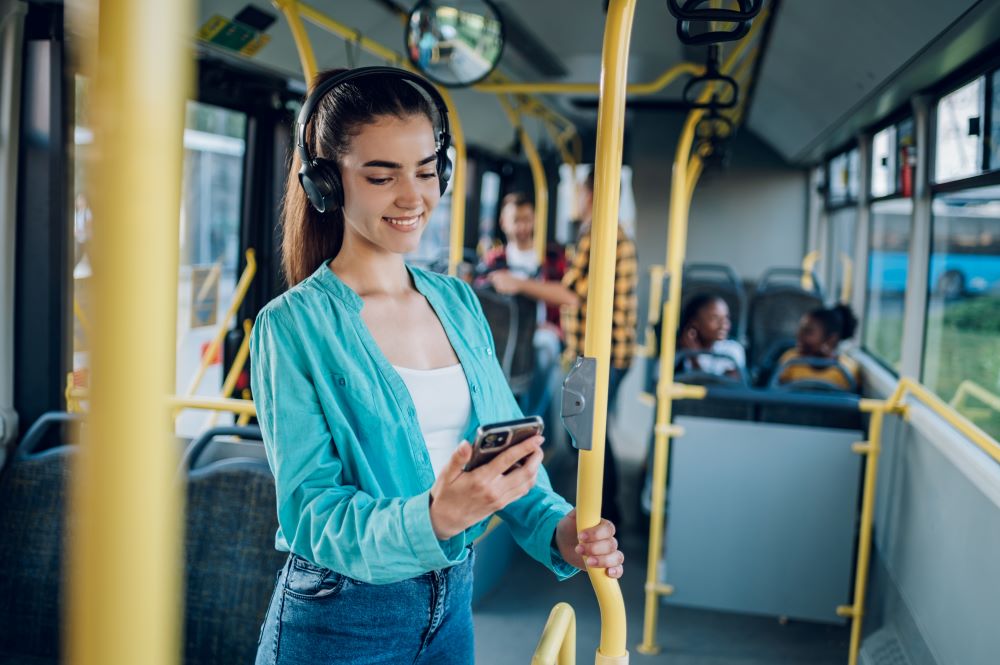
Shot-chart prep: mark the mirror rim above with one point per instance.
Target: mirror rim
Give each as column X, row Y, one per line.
column 431, row 77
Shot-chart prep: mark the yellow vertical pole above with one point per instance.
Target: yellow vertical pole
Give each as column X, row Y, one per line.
column 681, row 189
column 290, row 8
column 597, row 342
column 538, row 179
column 871, row 449
column 124, row 559
column 458, row 186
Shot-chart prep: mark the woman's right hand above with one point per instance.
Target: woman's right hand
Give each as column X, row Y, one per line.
column 460, row 498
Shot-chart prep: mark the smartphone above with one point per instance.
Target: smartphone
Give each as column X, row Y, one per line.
column 493, row 439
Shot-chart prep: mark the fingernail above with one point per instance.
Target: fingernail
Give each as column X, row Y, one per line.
column 583, row 536
column 592, row 561
column 579, row 549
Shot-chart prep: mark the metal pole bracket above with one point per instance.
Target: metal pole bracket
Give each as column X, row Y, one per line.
column 578, row 402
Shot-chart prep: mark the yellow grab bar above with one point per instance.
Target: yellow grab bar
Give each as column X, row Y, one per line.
column 809, row 262
column 124, row 592
column 239, row 362
column 557, row 645
column 212, row 351
column 600, row 297
column 652, row 87
column 969, row 388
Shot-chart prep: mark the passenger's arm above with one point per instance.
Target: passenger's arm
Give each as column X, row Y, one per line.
column 322, row 518
column 552, row 293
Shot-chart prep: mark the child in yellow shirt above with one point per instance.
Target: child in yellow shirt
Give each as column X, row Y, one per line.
column 820, row 333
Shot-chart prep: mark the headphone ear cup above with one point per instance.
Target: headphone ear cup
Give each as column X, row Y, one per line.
column 444, row 168
column 321, row 182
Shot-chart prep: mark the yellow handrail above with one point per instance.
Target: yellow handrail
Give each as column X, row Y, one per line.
column 212, row 351
column 686, row 172
column 239, row 362
column 124, row 482
column 847, row 278
column 302, row 44
column 636, row 89
column 557, row 645
column 537, row 176
column 600, row 296
column 809, row 262
column 969, row 388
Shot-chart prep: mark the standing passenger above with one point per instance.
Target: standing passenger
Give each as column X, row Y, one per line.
column 571, row 294
column 367, row 375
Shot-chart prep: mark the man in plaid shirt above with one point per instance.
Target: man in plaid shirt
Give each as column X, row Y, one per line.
column 571, row 295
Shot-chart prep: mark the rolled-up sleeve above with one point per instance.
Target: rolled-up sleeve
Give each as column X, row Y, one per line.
column 332, row 523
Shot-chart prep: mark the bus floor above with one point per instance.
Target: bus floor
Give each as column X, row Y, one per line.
column 509, row 621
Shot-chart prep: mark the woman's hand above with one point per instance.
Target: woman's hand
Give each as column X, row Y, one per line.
column 460, row 498
column 595, row 547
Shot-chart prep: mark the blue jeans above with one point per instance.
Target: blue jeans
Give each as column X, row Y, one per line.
column 317, row 616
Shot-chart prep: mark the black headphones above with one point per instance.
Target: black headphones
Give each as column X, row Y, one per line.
column 320, row 177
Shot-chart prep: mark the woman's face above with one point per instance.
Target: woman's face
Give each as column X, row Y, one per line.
column 712, row 323
column 812, row 339
column 390, row 183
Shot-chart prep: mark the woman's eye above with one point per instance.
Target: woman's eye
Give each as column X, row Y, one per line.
column 378, row 181
column 426, row 176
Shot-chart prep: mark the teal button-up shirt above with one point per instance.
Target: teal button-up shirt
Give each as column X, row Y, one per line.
column 351, row 467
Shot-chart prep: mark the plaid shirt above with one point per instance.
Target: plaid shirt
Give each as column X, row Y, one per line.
column 624, row 319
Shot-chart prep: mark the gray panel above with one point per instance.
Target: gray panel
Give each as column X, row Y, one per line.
column 762, row 518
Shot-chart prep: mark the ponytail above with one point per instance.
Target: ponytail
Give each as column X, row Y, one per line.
column 838, row 320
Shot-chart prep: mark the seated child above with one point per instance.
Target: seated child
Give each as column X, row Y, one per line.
column 820, row 333
column 705, row 326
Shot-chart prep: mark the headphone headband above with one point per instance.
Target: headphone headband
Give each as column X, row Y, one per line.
column 309, row 106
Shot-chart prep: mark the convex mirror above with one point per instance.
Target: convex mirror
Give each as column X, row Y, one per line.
column 454, row 42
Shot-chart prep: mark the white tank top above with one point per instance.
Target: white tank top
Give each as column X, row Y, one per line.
column 441, row 398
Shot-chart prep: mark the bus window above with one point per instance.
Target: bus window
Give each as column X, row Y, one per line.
column 884, row 162
column 843, row 178
column 214, row 147
column 83, row 221
column 887, row 272
column 963, row 312
column 489, row 199
column 959, row 135
column 842, row 228
column 995, row 122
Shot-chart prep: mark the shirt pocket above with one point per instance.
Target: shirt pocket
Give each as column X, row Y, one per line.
column 354, row 396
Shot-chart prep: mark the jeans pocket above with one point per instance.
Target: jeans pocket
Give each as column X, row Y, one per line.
column 307, row 581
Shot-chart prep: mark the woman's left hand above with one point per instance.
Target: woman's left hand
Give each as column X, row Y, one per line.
column 595, row 547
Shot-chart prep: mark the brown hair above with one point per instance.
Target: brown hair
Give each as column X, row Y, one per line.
column 310, row 237
column 517, row 199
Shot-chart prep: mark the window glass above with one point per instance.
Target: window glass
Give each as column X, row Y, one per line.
column 962, row 351
column 489, row 199
column 214, row 146
column 843, row 178
column 884, row 162
column 842, row 229
column 83, row 137
column 995, row 122
column 959, row 117
column 887, row 272
column 906, row 157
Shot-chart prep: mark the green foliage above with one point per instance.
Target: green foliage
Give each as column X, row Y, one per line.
column 981, row 314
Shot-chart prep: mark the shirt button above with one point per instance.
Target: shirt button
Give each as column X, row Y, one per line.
column 489, row 351
column 342, row 381
column 475, row 389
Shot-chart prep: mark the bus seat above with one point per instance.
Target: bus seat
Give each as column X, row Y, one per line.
column 522, row 364
column 33, row 490
column 231, row 563
column 775, row 311
column 218, row 443
column 813, row 417
column 720, row 280
column 707, row 408
column 762, row 372
column 512, row 320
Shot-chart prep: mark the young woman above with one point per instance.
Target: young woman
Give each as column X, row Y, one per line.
column 820, row 333
column 367, row 376
column 704, row 331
